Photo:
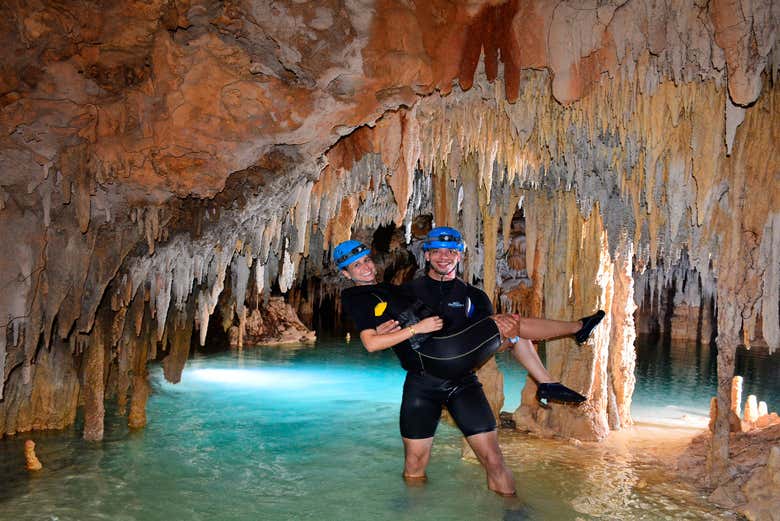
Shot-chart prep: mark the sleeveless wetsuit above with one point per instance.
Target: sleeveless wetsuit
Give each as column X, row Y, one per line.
column 453, row 354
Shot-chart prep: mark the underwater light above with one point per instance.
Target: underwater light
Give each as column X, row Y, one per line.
column 258, row 377
column 240, row 376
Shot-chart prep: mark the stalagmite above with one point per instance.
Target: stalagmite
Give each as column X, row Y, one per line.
column 751, row 409
column 713, row 413
column 33, row 463
column 736, row 396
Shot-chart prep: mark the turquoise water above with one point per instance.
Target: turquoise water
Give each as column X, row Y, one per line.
column 311, row 433
column 674, row 383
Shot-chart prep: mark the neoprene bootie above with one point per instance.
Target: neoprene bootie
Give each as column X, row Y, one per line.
column 557, row 392
column 588, row 324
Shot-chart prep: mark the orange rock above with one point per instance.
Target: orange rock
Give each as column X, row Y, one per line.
column 767, row 420
column 33, row 463
column 751, row 409
column 275, row 323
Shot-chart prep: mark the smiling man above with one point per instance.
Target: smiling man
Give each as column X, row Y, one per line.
column 460, row 305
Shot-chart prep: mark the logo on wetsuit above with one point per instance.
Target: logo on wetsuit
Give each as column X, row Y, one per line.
column 469, row 306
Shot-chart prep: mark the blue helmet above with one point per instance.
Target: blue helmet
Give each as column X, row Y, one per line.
column 348, row 252
column 443, row 237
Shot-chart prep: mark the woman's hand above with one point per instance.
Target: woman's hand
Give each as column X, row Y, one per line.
column 428, row 325
column 391, row 326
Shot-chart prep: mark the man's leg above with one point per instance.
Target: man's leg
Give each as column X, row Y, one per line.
column 420, row 412
column 417, row 454
column 499, row 478
column 471, row 411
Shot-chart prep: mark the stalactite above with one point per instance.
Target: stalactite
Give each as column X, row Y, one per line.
column 141, row 389
column 288, row 272
column 161, row 294
column 239, row 276
column 470, row 226
column 489, row 245
column 207, row 299
column 769, row 259
column 180, row 335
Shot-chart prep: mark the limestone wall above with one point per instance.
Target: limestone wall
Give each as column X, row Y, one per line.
column 154, row 154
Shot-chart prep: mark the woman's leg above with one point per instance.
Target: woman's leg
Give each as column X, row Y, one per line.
column 543, row 329
column 525, row 353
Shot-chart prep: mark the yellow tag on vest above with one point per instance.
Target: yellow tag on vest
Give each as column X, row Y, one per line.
column 379, row 309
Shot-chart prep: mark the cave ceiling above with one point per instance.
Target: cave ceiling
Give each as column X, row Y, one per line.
column 151, row 147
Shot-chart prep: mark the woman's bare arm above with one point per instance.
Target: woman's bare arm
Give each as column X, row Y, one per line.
column 376, row 340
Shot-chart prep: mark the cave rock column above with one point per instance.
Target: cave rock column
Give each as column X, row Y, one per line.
column 572, row 266
column 94, row 387
column 622, row 353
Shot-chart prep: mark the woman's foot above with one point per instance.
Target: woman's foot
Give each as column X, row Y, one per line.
column 588, row 325
column 557, row 392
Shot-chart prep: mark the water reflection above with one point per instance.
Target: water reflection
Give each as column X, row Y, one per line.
column 684, row 374
column 625, row 477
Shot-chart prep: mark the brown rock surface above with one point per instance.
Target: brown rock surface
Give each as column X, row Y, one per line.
column 754, row 472
column 160, row 159
column 274, row 323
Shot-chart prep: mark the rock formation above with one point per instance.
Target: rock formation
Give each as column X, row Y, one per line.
column 751, row 487
column 31, row 460
column 274, row 323
column 156, row 154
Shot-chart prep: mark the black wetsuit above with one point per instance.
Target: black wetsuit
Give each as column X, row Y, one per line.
column 424, row 394
column 360, row 303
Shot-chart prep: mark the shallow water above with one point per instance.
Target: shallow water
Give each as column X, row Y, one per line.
column 674, row 383
column 297, row 434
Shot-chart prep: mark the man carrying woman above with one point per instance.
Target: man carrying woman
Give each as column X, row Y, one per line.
column 441, row 367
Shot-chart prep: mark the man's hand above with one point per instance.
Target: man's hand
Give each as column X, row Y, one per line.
column 391, row 326
column 506, row 323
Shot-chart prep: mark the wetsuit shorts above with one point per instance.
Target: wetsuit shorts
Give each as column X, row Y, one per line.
column 423, row 398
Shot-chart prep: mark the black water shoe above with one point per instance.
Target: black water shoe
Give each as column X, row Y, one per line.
column 557, row 392
column 588, row 324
